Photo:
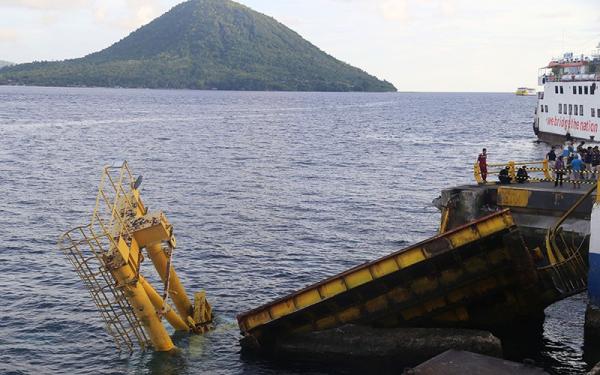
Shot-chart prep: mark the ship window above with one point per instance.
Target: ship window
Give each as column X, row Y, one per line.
column 561, row 90
column 574, row 89
column 556, row 89
column 580, row 90
column 585, row 90
column 593, row 112
column 546, row 108
column 576, row 110
column 541, row 108
column 560, row 108
column 570, row 109
column 581, row 110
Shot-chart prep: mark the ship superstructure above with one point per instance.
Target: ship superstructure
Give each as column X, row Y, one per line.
column 569, row 104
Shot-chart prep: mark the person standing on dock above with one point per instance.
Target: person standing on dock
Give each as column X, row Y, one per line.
column 566, row 151
column 581, row 147
column 559, row 167
column 595, row 161
column 551, row 156
column 482, row 160
column 577, row 167
column 569, row 159
column 587, row 159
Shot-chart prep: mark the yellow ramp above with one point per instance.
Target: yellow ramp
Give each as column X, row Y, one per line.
column 431, row 278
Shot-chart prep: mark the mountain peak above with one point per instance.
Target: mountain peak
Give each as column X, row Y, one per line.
column 205, row 44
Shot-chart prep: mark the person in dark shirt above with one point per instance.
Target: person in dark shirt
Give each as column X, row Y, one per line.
column 559, row 167
column 522, row 175
column 551, row 156
column 595, row 161
column 587, row 159
column 504, row 176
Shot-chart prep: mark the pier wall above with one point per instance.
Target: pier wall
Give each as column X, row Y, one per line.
column 592, row 315
column 535, row 207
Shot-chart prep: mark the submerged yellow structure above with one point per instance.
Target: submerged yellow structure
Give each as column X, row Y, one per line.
column 108, row 253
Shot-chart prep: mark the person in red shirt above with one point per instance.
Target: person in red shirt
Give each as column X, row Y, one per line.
column 482, row 160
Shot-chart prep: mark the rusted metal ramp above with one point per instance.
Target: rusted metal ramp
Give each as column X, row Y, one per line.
column 476, row 275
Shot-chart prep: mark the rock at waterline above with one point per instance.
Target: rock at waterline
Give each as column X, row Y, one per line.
column 403, row 346
column 454, row 362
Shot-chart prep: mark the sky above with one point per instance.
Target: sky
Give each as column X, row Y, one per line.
column 418, row 45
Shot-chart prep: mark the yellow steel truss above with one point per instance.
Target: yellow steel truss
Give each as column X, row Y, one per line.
column 107, row 255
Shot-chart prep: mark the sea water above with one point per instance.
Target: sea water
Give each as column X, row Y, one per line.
column 268, row 192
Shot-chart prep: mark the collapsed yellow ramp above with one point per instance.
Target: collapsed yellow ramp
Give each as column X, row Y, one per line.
column 473, row 275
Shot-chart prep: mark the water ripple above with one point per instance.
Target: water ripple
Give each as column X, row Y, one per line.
column 268, row 192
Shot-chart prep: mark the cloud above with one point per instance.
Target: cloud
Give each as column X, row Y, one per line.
column 8, row 35
column 44, row 4
column 49, row 18
column 130, row 14
column 124, row 14
column 143, row 13
column 395, row 10
column 407, row 11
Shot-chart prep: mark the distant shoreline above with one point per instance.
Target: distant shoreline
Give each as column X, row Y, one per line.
column 265, row 91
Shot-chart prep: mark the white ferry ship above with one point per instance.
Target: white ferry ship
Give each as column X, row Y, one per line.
column 569, row 104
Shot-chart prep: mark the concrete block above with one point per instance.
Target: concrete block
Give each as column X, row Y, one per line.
column 455, row 362
column 406, row 346
column 592, row 325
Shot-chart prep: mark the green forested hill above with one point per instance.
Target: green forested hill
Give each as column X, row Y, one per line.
column 4, row 63
column 204, row 44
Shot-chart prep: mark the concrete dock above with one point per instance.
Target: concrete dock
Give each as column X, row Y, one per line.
column 504, row 253
column 536, row 207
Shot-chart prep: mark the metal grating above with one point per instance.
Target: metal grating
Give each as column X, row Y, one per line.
column 85, row 251
column 88, row 247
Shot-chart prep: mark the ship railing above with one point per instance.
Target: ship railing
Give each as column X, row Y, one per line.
column 567, row 269
column 537, row 171
column 569, row 78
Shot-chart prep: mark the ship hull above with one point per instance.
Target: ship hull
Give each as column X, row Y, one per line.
column 568, row 107
column 553, row 139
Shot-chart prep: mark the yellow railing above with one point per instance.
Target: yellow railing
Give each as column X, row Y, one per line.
column 537, row 171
